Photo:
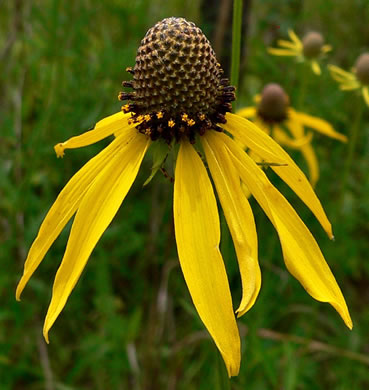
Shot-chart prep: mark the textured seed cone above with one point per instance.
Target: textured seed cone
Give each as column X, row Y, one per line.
column 177, row 80
column 274, row 103
column 312, row 44
column 362, row 68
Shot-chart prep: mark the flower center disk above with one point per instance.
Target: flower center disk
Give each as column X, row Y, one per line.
column 178, row 88
column 362, row 68
column 273, row 104
column 312, row 44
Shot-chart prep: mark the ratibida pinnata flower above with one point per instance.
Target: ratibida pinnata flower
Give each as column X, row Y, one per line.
column 180, row 98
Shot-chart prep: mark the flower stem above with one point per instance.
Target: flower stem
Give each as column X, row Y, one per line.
column 353, row 136
column 303, row 86
column 236, row 42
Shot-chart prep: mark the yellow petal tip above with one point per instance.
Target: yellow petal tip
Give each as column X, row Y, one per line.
column 46, row 335
column 347, row 320
column 59, row 150
column 19, row 291
column 241, row 310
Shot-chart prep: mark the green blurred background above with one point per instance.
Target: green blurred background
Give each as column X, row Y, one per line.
column 130, row 323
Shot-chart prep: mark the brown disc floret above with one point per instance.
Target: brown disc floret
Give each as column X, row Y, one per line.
column 362, row 68
column 273, row 104
column 312, row 44
column 178, row 88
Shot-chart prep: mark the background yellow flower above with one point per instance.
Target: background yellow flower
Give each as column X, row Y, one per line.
column 287, row 126
column 310, row 49
column 357, row 79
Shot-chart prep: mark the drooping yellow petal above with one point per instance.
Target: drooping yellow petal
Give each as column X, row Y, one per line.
column 365, row 92
column 197, row 231
column 65, row 206
column 295, row 143
column 262, row 125
column 317, row 124
column 256, row 139
column 341, row 75
column 288, row 44
column 295, row 38
column 316, row 68
column 239, row 218
column 95, row 212
column 340, row 79
column 282, row 52
column 102, row 129
column 312, row 163
column 349, row 85
column 301, row 253
column 247, row 112
column 252, row 137
column 307, row 151
column 258, row 160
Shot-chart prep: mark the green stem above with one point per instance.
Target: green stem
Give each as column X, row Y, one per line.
column 354, row 132
column 303, row 87
column 236, row 42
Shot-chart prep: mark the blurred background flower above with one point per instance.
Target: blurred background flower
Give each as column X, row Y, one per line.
column 357, row 79
column 310, row 49
column 276, row 117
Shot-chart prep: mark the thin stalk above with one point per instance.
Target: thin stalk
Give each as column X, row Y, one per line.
column 236, row 42
column 303, row 86
column 353, row 136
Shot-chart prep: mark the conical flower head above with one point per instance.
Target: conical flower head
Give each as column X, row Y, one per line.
column 178, row 89
column 273, row 104
column 362, row 68
column 312, row 44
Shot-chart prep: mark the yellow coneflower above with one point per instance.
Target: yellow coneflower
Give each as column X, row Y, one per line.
column 181, row 98
column 310, row 49
column 277, row 118
column 358, row 79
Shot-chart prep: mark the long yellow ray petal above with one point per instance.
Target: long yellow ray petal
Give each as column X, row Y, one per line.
column 294, row 126
column 282, row 138
column 319, row 125
column 365, row 92
column 307, row 151
column 247, row 112
column 239, row 216
column 282, row 52
column 312, row 163
column 64, row 207
column 295, row 38
column 349, row 85
column 340, row 73
column 301, row 253
column 316, row 68
column 252, row 137
column 96, row 211
column 288, row 44
column 102, row 129
column 197, row 233
column 340, row 79
column 258, row 122
column 256, row 139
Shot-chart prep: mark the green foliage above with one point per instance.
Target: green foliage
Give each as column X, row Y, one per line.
column 130, row 322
